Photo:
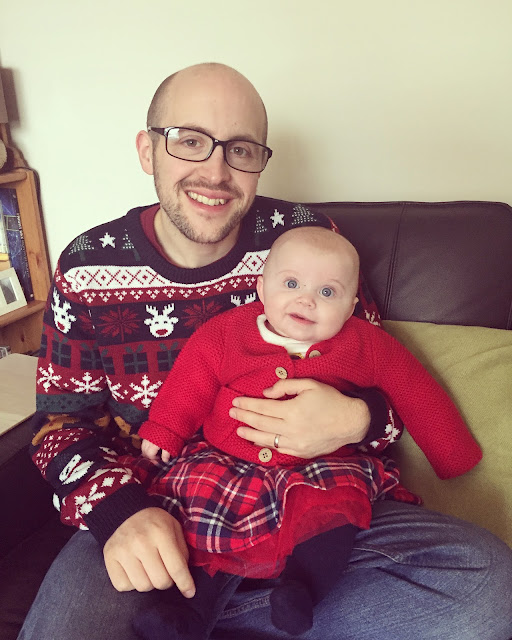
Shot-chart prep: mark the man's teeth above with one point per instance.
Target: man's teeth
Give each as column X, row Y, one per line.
column 212, row 202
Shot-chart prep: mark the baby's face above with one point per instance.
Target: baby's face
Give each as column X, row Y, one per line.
column 308, row 293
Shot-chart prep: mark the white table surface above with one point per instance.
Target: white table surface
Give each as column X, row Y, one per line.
column 17, row 389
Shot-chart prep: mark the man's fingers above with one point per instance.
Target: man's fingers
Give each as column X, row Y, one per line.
column 166, row 563
column 148, row 551
column 152, row 571
column 142, row 574
column 118, row 577
column 262, row 424
column 129, row 577
column 250, row 410
column 260, row 413
column 289, row 387
column 147, row 576
column 181, row 577
column 176, row 565
column 264, row 439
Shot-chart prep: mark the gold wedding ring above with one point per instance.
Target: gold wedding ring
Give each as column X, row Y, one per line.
column 276, row 441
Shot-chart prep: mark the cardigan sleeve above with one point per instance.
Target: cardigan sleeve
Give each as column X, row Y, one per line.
column 429, row 414
column 386, row 425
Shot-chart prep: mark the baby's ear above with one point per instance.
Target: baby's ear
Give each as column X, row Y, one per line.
column 259, row 288
column 356, row 300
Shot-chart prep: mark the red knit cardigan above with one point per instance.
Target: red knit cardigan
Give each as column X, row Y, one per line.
column 227, row 357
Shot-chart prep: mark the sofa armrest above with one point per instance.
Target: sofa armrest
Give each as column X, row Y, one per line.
column 474, row 364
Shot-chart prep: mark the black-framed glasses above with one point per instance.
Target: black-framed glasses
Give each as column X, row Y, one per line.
column 197, row 146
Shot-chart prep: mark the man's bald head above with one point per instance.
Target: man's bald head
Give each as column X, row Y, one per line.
column 164, row 93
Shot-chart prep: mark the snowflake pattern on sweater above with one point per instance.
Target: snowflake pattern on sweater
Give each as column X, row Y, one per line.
column 117, row 316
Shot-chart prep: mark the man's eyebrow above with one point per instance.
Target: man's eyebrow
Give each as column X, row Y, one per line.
column 242, row 137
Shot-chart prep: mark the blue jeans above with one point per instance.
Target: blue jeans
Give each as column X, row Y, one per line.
column 414, row 575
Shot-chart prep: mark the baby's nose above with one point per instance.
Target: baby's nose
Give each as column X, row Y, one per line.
column 306, row 298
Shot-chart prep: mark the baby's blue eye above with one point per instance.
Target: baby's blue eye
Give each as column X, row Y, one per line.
column 291, row 283
column 327, row 292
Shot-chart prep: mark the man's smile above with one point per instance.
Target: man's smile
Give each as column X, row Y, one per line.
column 212, row 202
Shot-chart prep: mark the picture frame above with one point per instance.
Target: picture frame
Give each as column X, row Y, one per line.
column 11, row 293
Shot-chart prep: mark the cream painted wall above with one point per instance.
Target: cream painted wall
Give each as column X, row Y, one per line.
column 367, row 99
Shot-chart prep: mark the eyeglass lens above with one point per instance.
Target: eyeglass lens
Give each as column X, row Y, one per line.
column 188, row 144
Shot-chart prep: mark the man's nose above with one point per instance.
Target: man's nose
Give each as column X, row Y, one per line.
column 215, row 169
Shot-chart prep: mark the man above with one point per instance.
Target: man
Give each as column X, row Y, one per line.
column 126, row 296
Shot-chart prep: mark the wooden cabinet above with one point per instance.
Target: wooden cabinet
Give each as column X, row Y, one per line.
column 21, row 328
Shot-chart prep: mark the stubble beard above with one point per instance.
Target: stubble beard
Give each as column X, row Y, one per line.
column 174, row 213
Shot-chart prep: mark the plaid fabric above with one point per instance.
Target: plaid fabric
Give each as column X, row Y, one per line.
column 227, row 505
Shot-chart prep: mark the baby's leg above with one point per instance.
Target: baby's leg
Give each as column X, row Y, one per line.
column 180, row 618
column 311, row 571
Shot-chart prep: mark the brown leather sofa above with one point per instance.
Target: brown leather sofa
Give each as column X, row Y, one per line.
column 441, row 274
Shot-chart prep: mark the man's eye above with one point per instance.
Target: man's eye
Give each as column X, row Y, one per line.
column 327, row 292
column 291, row 283
column 241, row 152
column 190, row 143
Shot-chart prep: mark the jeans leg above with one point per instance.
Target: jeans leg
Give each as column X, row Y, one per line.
column 415, row 575
column 77, row 601
column 179, row 618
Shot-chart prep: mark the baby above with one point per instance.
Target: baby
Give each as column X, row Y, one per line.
column 259, row 512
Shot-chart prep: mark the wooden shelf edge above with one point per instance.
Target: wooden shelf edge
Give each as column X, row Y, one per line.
column 21, row 329
column 18, row 314
column 16, row 175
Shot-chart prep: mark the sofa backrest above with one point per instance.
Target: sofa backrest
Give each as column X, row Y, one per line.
column 442, row 262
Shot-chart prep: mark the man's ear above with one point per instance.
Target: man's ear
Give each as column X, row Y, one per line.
column 259, row 288
column 144, row 146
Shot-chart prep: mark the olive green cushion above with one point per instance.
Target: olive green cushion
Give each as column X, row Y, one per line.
column 474, row 364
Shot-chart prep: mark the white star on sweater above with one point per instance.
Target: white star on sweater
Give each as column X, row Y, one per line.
column 108, row 239
column 277, row 218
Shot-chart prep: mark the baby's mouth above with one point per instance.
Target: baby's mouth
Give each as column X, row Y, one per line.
column 301, row 319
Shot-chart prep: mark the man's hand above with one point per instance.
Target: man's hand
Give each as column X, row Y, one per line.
column 317, row 421
column 148, row 551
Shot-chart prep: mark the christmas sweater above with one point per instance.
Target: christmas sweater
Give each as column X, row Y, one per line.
column 117, row 316
column 227, row 358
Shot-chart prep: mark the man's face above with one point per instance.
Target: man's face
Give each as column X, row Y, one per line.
column 206, row 200
column 308, row 293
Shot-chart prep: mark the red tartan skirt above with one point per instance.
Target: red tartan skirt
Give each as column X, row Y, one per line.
column 245, row 519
